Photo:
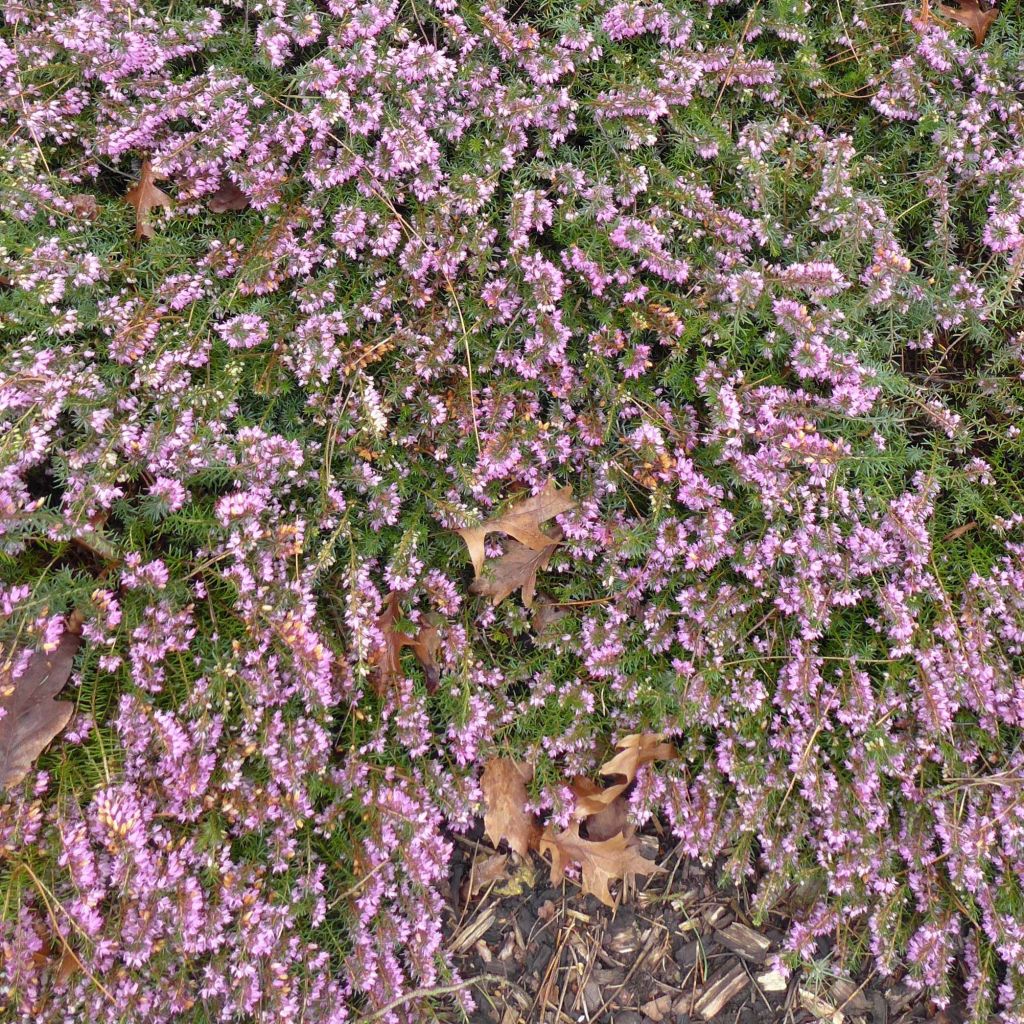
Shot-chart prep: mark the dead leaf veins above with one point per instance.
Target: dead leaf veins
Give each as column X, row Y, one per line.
column 504, row 787
column 30, row 716
column 522, row 522
column 600, row 863
column 145, row 197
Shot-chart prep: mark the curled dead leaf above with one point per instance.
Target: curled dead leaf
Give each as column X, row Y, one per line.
column 591, row 798
column 386, row 662
column 613, row 820
column 636, row 750
column 425, row 646
column 504, row 787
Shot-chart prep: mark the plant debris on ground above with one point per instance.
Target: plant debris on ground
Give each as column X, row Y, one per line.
column 593, row 428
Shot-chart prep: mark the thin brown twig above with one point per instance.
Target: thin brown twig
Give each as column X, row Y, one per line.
column 425, row 993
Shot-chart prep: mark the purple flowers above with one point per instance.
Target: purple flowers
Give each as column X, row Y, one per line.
column 747, row 279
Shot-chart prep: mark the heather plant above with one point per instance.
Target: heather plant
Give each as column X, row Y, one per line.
column 292, row 292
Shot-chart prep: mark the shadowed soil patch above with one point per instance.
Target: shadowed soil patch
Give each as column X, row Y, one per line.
column 679, row 949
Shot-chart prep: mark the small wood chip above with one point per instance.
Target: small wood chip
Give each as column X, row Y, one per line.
column 848, row 997
column 716, row 916
column 657, row 1009
column 466, row 938
column 721, row 992
column 819, row 1007
column 772, row 981
column 745, row 941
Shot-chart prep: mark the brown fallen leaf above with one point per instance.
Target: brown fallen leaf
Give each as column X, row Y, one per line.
column 546, row 613
column 603, row 862
column 145, row 196
column 504, row 787
column 522, row 521
column 636, row 750
column 518, row 567
column 85, row 206
column 613, row 820
column 592, row 799
column 386, row 661
column 969, row 13
column 487, row 870
column 425, row 645
column 31, row 716
column 229, row 197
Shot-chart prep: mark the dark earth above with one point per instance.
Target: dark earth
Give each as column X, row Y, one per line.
column 682, row 948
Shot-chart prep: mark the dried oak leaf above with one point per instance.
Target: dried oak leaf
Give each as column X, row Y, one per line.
column 518, row 567
column 522, row 521
column 425, row 645
column 145, row 196
column 229, row 197
column 592, row 799
column 602, row 862
column 386, row 661
column 636, row 750
column 504, row 787
column 31, row 717
column 611, row 820
column 970, row 14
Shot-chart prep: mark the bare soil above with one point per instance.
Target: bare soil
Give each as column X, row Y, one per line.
column 680, row 949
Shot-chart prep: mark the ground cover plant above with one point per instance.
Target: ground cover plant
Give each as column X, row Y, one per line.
column 701, row 322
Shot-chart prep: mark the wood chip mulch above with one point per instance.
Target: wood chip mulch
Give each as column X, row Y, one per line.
column 681, row 949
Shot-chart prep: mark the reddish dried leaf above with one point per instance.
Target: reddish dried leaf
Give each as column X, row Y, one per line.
column 636, row 750
column 602, row 862
column 229, row 197
column 386, row 661
column 522, row 521
column 145, row 196
column 518, row 567
column 969, row 13
column 504, row 787
column 425, row 645
column 31, row 716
